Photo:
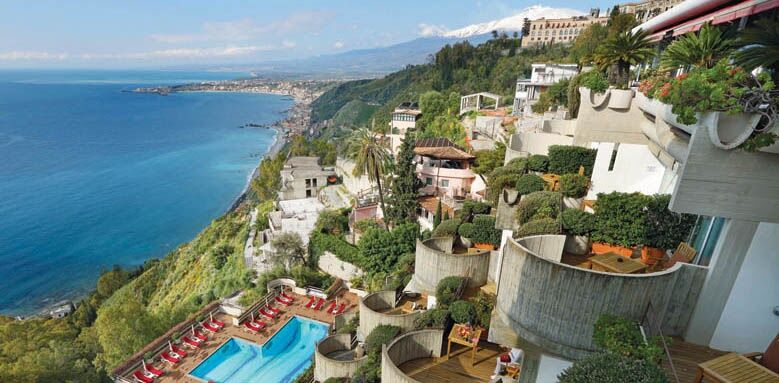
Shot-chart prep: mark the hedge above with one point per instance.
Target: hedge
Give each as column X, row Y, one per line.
column 566, row 159
column 504, row 177
column 530, row 183
column 432, row 318
column 612, row 368
column 445, row 292
column 577, row 222
column 622, row 336
column 538, row 163
column 664, row 228
column 482, row 230
column 620, row 219
column 382, row 334
column 471, row 208
column 538, row 227
column 542, row 204
column 574, row 185
column 463, row 312
column 446, row 228
column 321, row 242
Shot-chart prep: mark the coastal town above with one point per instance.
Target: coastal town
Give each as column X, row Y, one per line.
column 609, row 214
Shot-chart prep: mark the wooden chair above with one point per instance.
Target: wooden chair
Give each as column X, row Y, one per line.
column 747, row 368
column 683, row 253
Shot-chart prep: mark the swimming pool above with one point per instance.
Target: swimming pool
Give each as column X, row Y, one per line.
column 280, row 360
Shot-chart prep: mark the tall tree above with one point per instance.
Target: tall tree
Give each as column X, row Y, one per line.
column 703, row 49
column 289, row 250
column 403, row 201
column 620, row 52
column 759, row 45
column 370, row 157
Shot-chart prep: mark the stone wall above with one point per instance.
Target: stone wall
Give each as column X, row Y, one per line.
column 555, row 306
column 434, row 262
column 330, row 264
column 410, row 346
column 325, row 368
column 370, row 317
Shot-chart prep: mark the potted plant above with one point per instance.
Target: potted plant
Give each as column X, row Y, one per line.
column 577, row 225
column 617, row 54
column 573, row 187
column 485, row 236
column 664, row 229
column 594, row 87
column 619, row 223
column 466, row 233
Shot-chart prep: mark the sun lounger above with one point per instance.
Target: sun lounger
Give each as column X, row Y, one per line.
column 190, row 342
column 331, row 307
column 311, row 302
column 319, row 304
column 260, row 324
column 166, row 356
column 142, row 378
column 282, row 301
column 151, row 370
column 272, row 310
column 209, row 327
column 178, row 351
column 286, row 297
column 267, row 314
column 340, row 309
column 199, row 335
column 217, row 323
column 251, row 327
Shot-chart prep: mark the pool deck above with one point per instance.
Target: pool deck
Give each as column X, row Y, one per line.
column 180, row 373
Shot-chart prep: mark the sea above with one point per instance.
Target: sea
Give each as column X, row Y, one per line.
column 93, row 176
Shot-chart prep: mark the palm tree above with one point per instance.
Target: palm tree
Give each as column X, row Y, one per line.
column 621, row 51
column 703, row 49
column 760, row 46
column 370, row 157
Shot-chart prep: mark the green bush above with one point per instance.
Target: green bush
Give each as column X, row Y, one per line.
column 447, row 228
column 612, row 368
column 620, row 219
column 433, row 318
column 577, row 222
column 538, row 227
column 445, row 292
column 334, row 222
column 483, row 230
column 665, row 228
column 366, row 225
column 463, row 312
column 538, row 163
column 517, row 164
column 595, row 81
column 484, row 304
column 382, row 334
column 466, row 230
column 537, row 205
column 530, row 183
column 573, row 185
column 622, row 336
column 320, row 242
column 306, row 376
column 504, row 177
column 471, row 208
column 566, row 159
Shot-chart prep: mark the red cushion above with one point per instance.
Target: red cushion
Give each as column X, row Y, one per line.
column 770, row 359
column 505, row 358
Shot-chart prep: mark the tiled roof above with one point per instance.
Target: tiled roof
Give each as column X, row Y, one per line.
column 440, row 148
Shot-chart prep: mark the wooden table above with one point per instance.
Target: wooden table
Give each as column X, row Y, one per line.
column 456, row 338
column 615, row 263
column 734, row 368
column 551, row 179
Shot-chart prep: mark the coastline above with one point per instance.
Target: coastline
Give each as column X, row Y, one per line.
column 278, row 143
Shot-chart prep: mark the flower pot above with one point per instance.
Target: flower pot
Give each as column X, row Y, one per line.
column 466, row 241
column 620, row 98
column 601, row 248
column 484, row 246
column 670, row 118
column 572, row 203
column 727, row 131
column 597, row 100
column 648, row 105
column 651, row 255
column 577, row 244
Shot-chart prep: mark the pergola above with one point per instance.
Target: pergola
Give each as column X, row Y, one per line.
column 475, row 102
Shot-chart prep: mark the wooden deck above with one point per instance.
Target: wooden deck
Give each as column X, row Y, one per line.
column 457, row 368
column 686, row 357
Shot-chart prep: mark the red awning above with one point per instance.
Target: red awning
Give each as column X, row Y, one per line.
column 720, row 16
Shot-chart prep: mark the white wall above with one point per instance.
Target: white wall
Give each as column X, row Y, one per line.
column 344, row 168
column 748, row 323
column 549, row 367
column 635, row 170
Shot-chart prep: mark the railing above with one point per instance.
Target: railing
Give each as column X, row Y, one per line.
column 651, row 328
column 264, row 301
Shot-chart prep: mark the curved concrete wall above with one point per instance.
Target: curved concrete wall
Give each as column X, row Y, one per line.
column 410, row 346
column 555, row 306
column 326, row 368
column 370, row 317
column 434, row 262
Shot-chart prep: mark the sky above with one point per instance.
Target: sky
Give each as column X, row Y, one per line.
column 161, row 33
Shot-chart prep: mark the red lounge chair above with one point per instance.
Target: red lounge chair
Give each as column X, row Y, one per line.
column 218, row 323
column 267, row 314
column 140, row 377
column 340, row 309
column 260, row 324
column 166, row 356
column 154, row 371
column 285, row 303
column 178, row 351
column 251, row 327
column 199, row 335
column 319, row 304
column 272, row 310
column 331, row 307
column 209, row 327
column 286, row 297
column 190, row 342
column 311, row 302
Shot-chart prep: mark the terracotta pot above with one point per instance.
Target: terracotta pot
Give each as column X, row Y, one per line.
column 620, row 98
column 651, row 255
column 484, row 246
column 600, row 248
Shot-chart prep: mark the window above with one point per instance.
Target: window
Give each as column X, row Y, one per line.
column 313, row 182
column 428, row 181
column 444, row 183
column 308, row 182
column 308, row 193
column 613, row 159
column 704, row 237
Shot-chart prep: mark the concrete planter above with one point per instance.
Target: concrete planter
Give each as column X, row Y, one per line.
column 577, row 244
column 572, row 203
column 620, row 98
column 596, row 99
column 649, row 105
column 670, row 118
column 728, row 131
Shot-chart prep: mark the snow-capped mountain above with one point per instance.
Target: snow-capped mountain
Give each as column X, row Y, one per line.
column 513, row 23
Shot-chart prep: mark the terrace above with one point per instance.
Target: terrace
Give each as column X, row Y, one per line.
column 386, row 308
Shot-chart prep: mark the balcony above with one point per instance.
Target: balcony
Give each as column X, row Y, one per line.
column 415, row 345
column 431, row 169
column 382, row 308
column 334, row 357
column 438, row 258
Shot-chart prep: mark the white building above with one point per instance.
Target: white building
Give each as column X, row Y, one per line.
column 542, row 76
column 302, row 177
column 297, row 216
column 404, row 118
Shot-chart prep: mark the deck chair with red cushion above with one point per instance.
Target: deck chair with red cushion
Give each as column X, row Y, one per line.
column 340, row 309
column 166, row 356
column 311, row 302
column 142, row 378
column 319, row 304
column 154, row 371
column 209, row 327
column 190, row 342
column 331, row 307
column 282, row 301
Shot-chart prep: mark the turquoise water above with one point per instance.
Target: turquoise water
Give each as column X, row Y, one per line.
column 92, row 176
column 280, row 360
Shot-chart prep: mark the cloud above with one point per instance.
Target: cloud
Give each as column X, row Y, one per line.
column 228, row 51
column 289, row 44
column 338, row 45
column 427, row 30
column 32, row 55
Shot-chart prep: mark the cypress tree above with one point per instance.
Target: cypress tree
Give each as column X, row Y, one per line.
column 403, row 203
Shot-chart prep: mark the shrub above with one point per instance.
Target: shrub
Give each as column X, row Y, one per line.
column 382, row 334
column 484, row 304
column 369, row 371
column 622, row 336
column 577, row 222
column 620, row 218
column 466, row 230
column 446, row 291
column 538, row 227
column 517, row 164
column 484, row 230
column 665, row 228
column 320, row 242
column 565, row 159
column 366, row 225
column 612, row 368
column 538, row 163
column 446, row 228
column 306, row 376
column 530, row 183
column 595, row 81
column 334, row 222
column 463, row 312
column 432, row 318
column 505, row 177
column 574, row 185
column 471, row 208
column 541, row 204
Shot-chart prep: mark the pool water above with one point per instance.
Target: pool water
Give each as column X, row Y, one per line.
column 281, row 359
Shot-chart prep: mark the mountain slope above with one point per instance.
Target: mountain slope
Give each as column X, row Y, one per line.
column 514, row 22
